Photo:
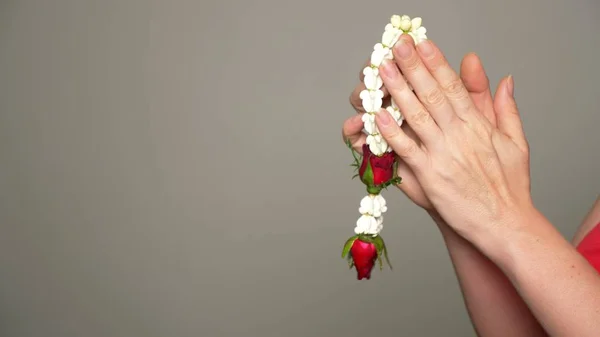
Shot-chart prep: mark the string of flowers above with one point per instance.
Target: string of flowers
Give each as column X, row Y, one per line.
column 377, row 166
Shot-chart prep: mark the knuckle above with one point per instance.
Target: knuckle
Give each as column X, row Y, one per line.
column 411, row 64
column 455, row 89
column 436, row 61
column 406, row 149
column 397, row 87
column 421, row 117
column 434, row 98
column 481, row 130
column 410, row 149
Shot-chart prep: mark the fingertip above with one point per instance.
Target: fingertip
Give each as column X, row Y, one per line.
column 352, row 125
column 473, row 74
column 510, row 86
column 471, row 60
column 502, row 92
column 384, row 119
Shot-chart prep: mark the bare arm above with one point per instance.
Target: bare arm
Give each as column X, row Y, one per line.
column 590, row 220
column 493, row 304
column 558, row 284
column 483, row 283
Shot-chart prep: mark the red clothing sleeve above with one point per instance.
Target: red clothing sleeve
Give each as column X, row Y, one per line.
column 589, row 247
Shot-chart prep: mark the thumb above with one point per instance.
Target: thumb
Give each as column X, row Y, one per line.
column 507, row 114
column 478, row 85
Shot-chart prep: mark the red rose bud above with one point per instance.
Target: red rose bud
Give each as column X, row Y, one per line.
column 376, row 170
column 363, row 255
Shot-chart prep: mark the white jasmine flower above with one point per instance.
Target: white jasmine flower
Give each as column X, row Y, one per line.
column 405, row 25
column 379, row 54
column 368, row 224
column 390, row 36
column 366, row 206
column 372, row 79
column 380, row 201
column 377, row 144
column 372, row 205
column 416, row 22
column 372, row 100
column 377, row 226
column 369, row 123
column 418, row 32
column 365, row 223
column 395, row 112
column 395, row 21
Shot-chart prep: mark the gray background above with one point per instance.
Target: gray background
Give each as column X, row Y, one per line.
column 175, row 168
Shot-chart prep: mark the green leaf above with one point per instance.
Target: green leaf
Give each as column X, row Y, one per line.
column 368, row 177
column 368, row 238
column 385, row 252
column 381, row 250
column 350, row 261
column 378, row 243
column 355, row 154
column 348, row 245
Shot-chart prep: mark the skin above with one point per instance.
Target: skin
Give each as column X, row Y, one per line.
column 457, row 149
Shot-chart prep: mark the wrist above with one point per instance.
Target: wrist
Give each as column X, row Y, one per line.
column 510, row 237
column 445, row 229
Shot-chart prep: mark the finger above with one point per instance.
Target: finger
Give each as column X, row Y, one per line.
column 450, row 83
column 477, row 83
column 424, row 84
column 507, row 113
column 355, row 99
column 352, row 132
column 414, row 113
column 406, row 148
column 410, row 186
column 410, row 132
column 361, row 74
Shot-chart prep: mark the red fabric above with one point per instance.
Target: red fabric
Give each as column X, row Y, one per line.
column 589, row 247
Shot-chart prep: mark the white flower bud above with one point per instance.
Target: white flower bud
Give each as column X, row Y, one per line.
column 389, row 37
column 372, row 79
column 396, row 19
column 378, row 54
column 405, row 25
column 416, row 23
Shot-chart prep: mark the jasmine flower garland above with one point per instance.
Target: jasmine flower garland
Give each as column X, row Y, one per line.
column 377, row 168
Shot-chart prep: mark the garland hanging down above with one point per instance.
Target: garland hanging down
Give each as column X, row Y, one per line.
column 377, row 166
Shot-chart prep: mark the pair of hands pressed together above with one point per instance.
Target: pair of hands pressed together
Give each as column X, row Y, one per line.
column 464, row 155
column 464, row 159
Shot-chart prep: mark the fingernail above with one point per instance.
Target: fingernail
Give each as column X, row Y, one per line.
column 384, row 117
column 510, row 85
column 425, row 48
column 403, row 49
column 389, row 69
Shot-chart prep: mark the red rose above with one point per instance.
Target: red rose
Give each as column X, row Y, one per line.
column 363, row 255
column 362, row 250
column 376, row 170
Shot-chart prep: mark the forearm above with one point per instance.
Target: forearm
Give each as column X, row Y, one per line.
column 493, row 304
column 557, row 283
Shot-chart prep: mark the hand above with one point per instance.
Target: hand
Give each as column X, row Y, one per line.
column 471, row 157
column 476, row 82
